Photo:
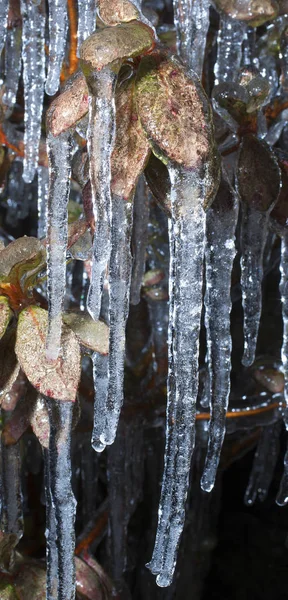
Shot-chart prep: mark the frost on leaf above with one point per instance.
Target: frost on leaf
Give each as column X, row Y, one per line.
column 5, row 315
column 59, row 379
column 131, row 148
column 20, row 251
column 92, row 334
column 39, row 420
column 70, row 106
column 9, row 366
column 117, row 11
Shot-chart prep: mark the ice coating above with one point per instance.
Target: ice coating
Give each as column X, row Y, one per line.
column 13, row 52
column 229, row 49
column 186, row 234
column 139, row 239
column 284, row 300
column 264, row 463
column 192, row 22
column 59, row 153
column 11, row 493
column 101, row 133
column 61, row 498
column 4, row 7
column 58, row 24
column 43, row 188
column 33, row 56
column 100, row 379
column 86, row 21
column 50, row 534
column 219, row 256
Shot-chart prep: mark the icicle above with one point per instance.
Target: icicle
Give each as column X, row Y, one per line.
column 4, row 7
column 219, row 256
column 192, row 21
column 62, row 499
column 229, row 49
column 33, row 54
column 264, row 464
column 57, row 41
column 139, row 239
column 12, row 65
column 187, row 232
column 59, row 152
column 284, row 300
column 100, row 378
column 100, row 144
column 119, row 282
column 86, row 20
column 43, row 186
column 50, row 534
column 12, row 515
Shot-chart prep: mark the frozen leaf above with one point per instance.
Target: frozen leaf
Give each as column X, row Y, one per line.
column 39, row 420
column 92, row 334
column 111, row 44
column 258, row 174
column 30, row 581
column 9, row 366
column 20, row 251
column 82, row 248
column 57, row 379
column 131, row 148
column 89, row 581
column 5, row 315
column 15, row 392
column 254, row 13
column 8, row 541
column 175, row 113
column 117, row 11
column 70, row 106
column 19, row 421
column 157, row 177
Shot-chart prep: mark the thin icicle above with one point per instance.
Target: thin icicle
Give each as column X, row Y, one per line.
column 100, row 378
column 284, row 300
column 219, row 256
column 13, row 52
column 62, row 498
column 33, row 55
column 264, row 464
column 43, row 186
column 139, row 238
column 187, row 233
column 58, row 24
column 50, row 534
column 59, row 153
column 229, row 49
column 86, row 21
column 12, row 512
column 101, row 134
column 4, row 7
column 192, row 22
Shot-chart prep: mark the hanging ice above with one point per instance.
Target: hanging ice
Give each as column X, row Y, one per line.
column 100, row 144
column 43, row 186
column 59, row 153
column 12, row 65
column 62, row 499
column 139, row 238
column 192, row 22
column 100, row 378
column 57, row 41
column 86, row 20
column 229, row 49
column 264, row 463
column 186, row 232
column 50, row 534
column 12, row 511
column 4, row 7
column 219, row 256
column 284, row 300
column 33, row 55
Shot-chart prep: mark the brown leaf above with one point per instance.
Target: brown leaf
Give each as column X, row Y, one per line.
column 91, row 580
column 111, row 44
column 16, row 391
column 5, row 315
column 69, row 107
column 131, row 148
column 117, row 11
column 59, row 379
column 9, row 366
column 39, row 420
column 20, row 251
column 258, row 174
column 8, row 542
column 254, row 13
column 30, row 581
column 174, row 112
column 92, row 334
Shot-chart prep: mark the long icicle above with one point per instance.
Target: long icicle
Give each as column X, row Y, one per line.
column 62, row 498
column 43, row 188
column 100, row 379
column 219, row 256
column 264, row 463
column 282, row 497
column 50, row 534
column 59, row 153
column 139, row 238
column 33, row 54
column 100, row 142
column 86, row 20
column 58, row 24
column 229, row 49
column 13, row 52
column 4, row 7
column 192, row 23
column 187, row 234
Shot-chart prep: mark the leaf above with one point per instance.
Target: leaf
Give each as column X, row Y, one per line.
column 258, row 174
column 19, row 421
column 9, row 366
column 111, row 44
column 131, row 149
column 8, row 542
column 174, row 112
column 39, row 420
column 30, row 581
column 5, row 315
column 117, row 11
column 91, row 580
column 254, row 13
column 158, row 179
column 59, row 379
column 21, row 251
column 7, row 591
column 16, row 391
column 69, row 107
column 279, row 214
column 92, row 334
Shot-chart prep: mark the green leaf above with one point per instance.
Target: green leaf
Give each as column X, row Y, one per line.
column 92, row 334
column 5, row 315
column 59, row 379
column 19, row 252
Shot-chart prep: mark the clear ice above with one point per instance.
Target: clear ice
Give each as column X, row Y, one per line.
column 4, row 7
column 86, row 21
column 58, row 24
column 13, row 53
column 192, row 22
column 229, row 49
column 43, row 188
